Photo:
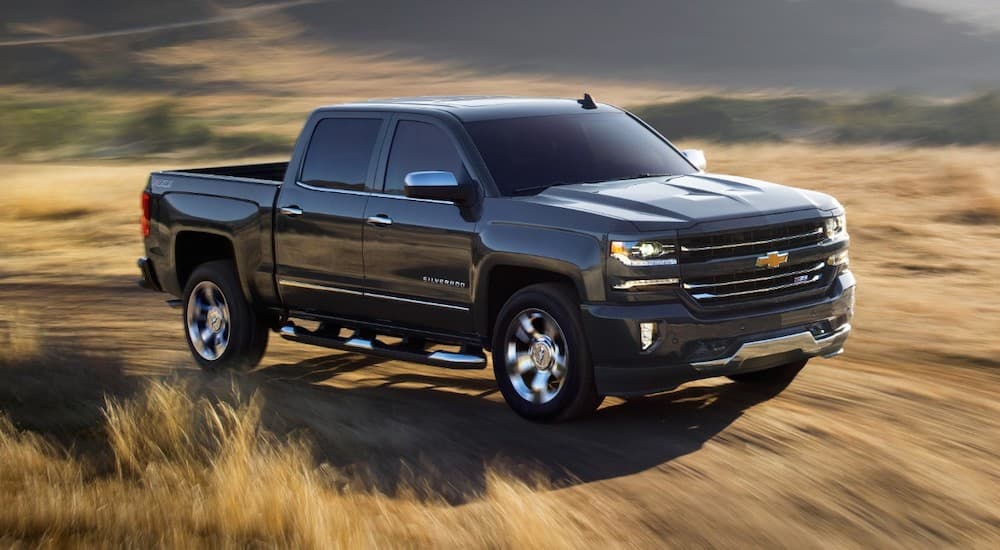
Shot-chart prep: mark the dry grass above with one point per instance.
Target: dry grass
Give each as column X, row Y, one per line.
column 55, row 216
column 179, row 466
column 891, row 445
column 200, row 473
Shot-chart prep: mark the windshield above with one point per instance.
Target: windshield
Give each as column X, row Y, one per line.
column 527, row 155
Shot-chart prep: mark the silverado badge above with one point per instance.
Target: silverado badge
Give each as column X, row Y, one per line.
column 773, row 260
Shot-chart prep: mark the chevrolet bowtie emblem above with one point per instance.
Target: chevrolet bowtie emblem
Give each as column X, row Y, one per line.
column 773, row 260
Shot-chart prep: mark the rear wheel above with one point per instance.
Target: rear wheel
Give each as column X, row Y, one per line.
column 774, row 376
column 221, row 328
column 540, row 356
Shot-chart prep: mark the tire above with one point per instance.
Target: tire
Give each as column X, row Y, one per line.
column 539, row 333
column 222, row 330
column 779, row 376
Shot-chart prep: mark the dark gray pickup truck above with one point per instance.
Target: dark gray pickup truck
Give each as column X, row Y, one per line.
column 566, row 237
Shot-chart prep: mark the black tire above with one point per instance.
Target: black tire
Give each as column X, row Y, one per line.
column 779, row 376
column 576, row 394
column 245, row 332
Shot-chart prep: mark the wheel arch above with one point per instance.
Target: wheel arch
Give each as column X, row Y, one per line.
column 503, row 279
column 192, row 248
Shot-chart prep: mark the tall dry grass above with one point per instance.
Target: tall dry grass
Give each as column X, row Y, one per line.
column 176, row 466
column 195, row 472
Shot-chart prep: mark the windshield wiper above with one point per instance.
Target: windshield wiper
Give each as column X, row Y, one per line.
column 645, row 175
column 635, row 177
column 520, row 190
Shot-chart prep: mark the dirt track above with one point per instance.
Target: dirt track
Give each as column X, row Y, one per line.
column 889, row 454
column 897, row 443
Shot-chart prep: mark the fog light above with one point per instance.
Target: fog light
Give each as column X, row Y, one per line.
column 647, row 335
column 820, row 329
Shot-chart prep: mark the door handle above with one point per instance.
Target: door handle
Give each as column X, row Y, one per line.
column 291, row 211
column 381, row 220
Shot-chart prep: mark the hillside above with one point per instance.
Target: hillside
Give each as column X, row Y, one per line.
column 723, row 44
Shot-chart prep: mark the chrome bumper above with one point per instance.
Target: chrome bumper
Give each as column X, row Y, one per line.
column 805, row 342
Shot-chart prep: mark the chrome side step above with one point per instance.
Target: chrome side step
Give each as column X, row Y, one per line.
column 467, row 359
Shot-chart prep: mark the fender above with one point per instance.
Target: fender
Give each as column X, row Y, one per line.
column 577, row 256
column 236, row 220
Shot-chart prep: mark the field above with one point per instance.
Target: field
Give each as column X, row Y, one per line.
column 113, row 437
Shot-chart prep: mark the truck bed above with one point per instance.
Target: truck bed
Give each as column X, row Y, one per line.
column 231, row 202
column 271, row 171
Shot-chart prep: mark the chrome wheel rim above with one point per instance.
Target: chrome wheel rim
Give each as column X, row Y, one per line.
column 536, row 356
column 208, row 320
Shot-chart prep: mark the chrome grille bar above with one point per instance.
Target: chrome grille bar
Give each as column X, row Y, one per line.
column 709, row 295
column 812, row 269
column 812, row 233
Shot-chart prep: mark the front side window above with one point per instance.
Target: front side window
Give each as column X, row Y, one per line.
column 340, row 153
column 418, row 147
column 529, row 154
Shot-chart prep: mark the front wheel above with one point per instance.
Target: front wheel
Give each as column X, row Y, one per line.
column 221, row 328
column 540, row 356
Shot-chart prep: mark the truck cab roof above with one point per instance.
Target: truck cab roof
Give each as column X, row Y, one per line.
column 473, row 108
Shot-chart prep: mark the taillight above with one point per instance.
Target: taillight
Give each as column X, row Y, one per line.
column 145, row 214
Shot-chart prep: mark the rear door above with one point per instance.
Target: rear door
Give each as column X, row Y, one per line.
column 418, row 252
column 318, row 223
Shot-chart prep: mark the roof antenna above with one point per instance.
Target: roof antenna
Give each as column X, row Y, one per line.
column 587, row 102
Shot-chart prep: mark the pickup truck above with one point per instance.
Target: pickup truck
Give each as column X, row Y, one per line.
column 567, row 238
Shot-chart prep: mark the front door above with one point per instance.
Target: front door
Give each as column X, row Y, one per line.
column 318, row 223
column 418, row 252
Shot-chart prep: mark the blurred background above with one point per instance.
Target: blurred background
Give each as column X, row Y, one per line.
column 892, row 106
column 93, row 80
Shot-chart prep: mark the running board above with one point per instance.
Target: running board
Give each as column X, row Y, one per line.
column 372, row 346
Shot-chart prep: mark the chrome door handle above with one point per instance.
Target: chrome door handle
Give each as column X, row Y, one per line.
column 291, row 211
column 381, row 220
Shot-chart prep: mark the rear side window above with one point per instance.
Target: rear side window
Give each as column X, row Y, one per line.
column 416, row 147
column 340, row 153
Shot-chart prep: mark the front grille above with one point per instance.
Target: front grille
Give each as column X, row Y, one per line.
column 750, row 241
column 761, row 283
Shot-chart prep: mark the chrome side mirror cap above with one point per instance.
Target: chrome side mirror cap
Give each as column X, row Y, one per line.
column 697, row 158
column 436, row 185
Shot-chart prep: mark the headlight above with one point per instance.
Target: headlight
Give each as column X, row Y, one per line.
column 643, row 253
column 835, row 226
column 839, row 259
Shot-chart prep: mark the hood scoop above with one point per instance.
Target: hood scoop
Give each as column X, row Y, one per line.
column 701, row 194
column 709, row 188
column 657, row 203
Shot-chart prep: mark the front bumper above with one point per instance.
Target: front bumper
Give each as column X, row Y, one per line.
column 805, row 342
column 691, row 346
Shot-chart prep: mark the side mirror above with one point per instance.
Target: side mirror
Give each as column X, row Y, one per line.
column 697, row 158
column 437, row 185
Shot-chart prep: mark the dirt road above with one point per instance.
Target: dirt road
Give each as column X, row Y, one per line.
column 897, row 443
column 887, row 454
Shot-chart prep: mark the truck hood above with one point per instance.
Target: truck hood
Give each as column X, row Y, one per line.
column 673, row 202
